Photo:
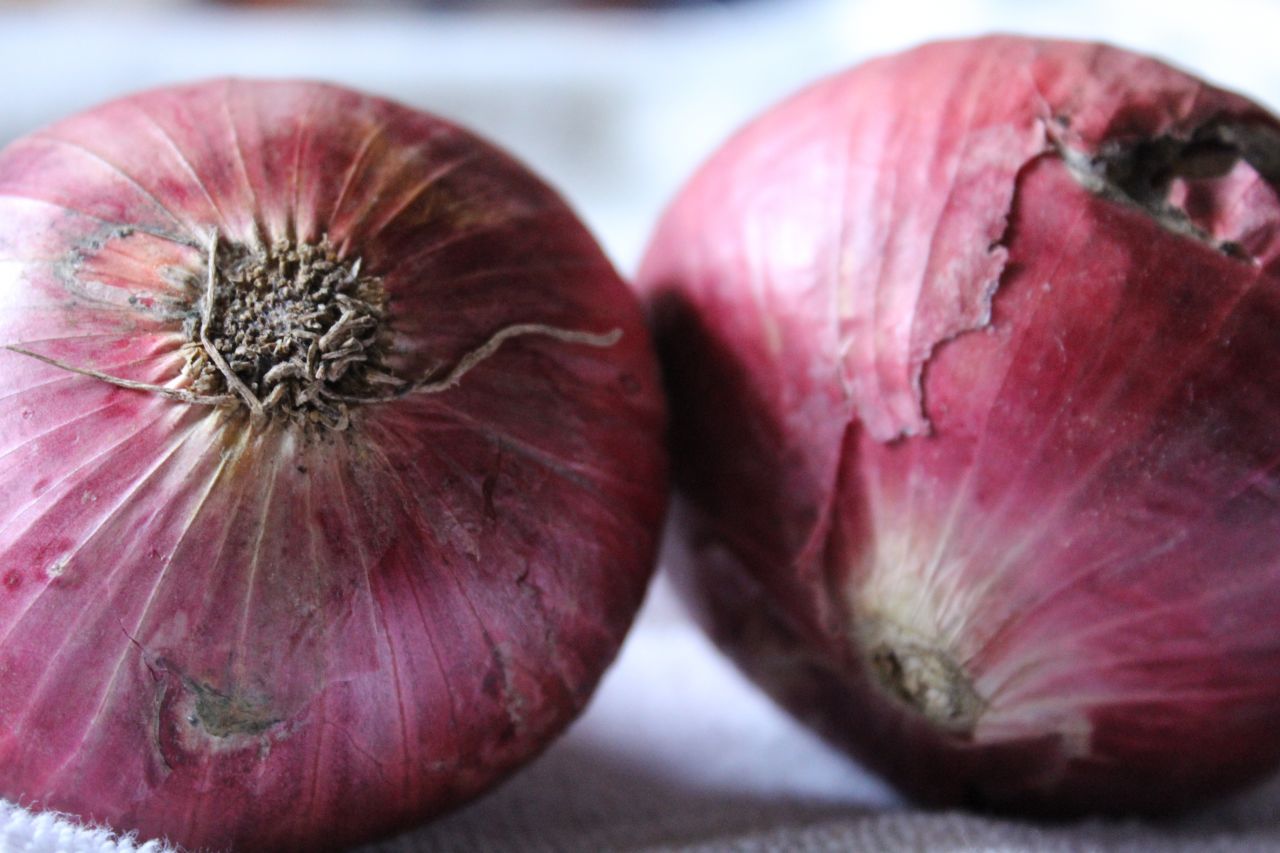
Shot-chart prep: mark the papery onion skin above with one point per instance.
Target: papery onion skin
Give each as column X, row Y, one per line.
column 975, row 434
column 241, row 633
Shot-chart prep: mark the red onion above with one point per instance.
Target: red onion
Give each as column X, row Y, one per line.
column 974, row 357
column 332, row 465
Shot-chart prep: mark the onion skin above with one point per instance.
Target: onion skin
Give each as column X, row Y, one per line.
column 241, row 634
column 974, row 431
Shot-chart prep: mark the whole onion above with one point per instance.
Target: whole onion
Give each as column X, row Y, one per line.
column 331, row 465
column 974, row 358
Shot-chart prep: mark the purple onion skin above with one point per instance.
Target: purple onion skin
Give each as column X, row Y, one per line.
column 246, row 634
column 973, row 356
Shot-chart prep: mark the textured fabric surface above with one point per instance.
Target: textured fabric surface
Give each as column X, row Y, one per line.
column 21, row 830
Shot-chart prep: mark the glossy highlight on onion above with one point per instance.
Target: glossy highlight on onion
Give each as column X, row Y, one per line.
column 331, row 465
column 974, row 366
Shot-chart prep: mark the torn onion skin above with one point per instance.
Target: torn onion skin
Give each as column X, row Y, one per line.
column 311, row 625
column 974, row 370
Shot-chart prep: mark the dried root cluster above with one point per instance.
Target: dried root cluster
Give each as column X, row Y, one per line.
column 291, row 329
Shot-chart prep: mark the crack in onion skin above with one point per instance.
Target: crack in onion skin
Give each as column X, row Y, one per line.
column 974, row 372
column 236, row 633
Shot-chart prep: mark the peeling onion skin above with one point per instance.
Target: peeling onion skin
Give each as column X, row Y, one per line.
column 250, row 635
column 974, row 441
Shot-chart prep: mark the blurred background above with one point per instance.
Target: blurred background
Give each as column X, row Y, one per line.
column 615, row 103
